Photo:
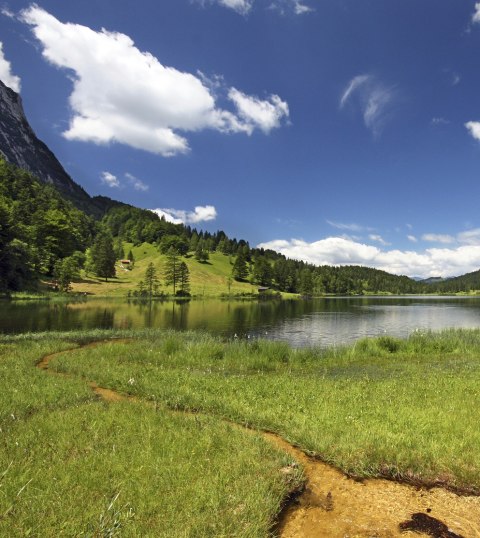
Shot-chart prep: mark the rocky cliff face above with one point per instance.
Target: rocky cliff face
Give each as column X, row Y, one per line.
column 21, row 147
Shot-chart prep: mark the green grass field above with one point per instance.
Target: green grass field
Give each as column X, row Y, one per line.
column 207, row 279
column 73, row 465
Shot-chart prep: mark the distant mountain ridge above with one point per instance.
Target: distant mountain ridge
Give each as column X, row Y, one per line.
column 20, row 146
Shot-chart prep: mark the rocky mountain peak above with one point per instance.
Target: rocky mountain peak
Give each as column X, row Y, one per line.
column 20, row 146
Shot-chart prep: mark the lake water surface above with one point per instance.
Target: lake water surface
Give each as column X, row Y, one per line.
column 322, row 322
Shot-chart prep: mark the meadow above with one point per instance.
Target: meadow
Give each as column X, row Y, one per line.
column 171, row 461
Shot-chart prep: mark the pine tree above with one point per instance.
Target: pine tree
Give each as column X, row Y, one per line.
column 240, row 269
column 183, row 279
column 151, row 282
column 170, row 272
column 103, row 255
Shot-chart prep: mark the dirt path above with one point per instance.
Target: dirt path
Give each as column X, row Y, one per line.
column 336, row 506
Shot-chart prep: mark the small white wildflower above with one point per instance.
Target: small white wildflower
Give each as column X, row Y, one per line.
column 131, row 381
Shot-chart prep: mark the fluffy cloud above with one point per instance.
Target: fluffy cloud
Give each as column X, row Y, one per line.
column 340, row 251
column 180, row 216
column 110, row 180
column 6, row 76
column 255, row 113
column 374, row 99
column 121, row 94
column 474, row 128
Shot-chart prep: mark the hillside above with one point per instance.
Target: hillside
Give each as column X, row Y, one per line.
column 207, row 279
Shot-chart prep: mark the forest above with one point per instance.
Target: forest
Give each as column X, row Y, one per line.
column 43, row 235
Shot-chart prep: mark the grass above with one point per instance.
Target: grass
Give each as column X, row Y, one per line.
column 383, row 407
column 207, row 279
column 72, row 465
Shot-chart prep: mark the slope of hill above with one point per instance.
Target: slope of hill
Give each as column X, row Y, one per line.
column 211, row 279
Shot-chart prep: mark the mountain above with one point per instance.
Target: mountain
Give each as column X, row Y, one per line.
column 21, row 147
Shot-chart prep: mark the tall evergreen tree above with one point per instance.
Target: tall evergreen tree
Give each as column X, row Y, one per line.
column 103, row 255
column 171, row 268
column 151, row 281
column 240, row 269
column 183, row 279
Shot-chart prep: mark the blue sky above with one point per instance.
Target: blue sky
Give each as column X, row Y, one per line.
column 335, row 131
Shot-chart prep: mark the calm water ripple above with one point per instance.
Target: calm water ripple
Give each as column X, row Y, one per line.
column 329, row 321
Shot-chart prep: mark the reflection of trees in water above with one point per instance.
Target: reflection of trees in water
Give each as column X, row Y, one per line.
column 178, row 315
column 104, row 318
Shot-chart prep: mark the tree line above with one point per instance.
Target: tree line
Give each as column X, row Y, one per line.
column 44, row 235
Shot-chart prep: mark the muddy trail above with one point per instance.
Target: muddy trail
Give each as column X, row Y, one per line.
column 333, row 505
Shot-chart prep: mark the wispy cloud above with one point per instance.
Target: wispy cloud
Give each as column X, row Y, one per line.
column 138, row 184
column 351, row 227
column 469, row 237
column 6, row 75
column 180, row 216
column 112, row 181
column 438, row 238
column 412, row 238
column 378, row 239
column 440, row 121
column 121, row 94
column 243, row 7
column 374, row 99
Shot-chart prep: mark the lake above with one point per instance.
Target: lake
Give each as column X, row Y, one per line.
column 328, row 321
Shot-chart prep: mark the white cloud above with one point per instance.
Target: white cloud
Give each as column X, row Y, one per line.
column 243, row 7
column 438, row 238
column 469, row 237
column 138, row 184
column 339, row 251
column 180, row 216
column 412, row 238
column 240, row 6
column 110, row 180
column 379, row 239
column 374, row 99
column 7, row 12
column 266, row 115
column 351, row 227
column 121, row 94
column 299, row 8
column 474, row 128
column 476, row 15
column 6, row 76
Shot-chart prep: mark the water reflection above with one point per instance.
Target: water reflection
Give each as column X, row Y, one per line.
column 319, row 322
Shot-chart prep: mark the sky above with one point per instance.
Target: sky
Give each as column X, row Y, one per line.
column 333, row 131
